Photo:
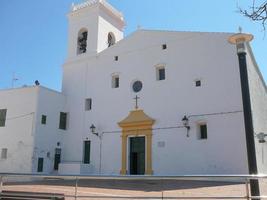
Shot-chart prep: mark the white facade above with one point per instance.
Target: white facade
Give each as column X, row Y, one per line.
column 187, row 57
column 258, row 92
column 23, row 135
column 18, row 134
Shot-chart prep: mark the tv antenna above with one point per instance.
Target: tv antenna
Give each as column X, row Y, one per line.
column 14, row 79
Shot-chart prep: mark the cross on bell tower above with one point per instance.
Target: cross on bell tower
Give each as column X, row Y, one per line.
column 136, row 101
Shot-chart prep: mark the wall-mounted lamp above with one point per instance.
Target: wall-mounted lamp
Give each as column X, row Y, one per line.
column 185, row 121
column 261, row 137
column 92, row 127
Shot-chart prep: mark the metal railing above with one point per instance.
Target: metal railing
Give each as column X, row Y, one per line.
column 243, row 179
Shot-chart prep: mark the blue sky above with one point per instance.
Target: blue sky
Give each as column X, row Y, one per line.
column 33, row 33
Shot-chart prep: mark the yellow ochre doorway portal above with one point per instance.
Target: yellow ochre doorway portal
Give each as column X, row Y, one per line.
column 137, row 123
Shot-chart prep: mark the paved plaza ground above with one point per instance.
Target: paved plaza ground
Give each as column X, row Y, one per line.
column 134, row 189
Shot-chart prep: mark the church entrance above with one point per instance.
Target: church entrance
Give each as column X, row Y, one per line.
column 137, row 155
column 136, row 143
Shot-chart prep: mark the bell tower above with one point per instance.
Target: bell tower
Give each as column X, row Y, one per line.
column 94, row 25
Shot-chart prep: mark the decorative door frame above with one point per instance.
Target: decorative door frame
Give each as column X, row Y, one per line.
column 137, row 123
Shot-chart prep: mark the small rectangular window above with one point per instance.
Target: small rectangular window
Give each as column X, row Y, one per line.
column 116, row 58
column 43, row 121
column 86, row 151
column 164, row 46
column 198, row 83
column 115, row 81
column 3, row 117
column 203, row 131
column 88, row 104
column 40, row 165
column 63, row 121
column 160, row 73
column 4, row 153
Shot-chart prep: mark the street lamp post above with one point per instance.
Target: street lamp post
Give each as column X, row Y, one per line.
column 240, row 40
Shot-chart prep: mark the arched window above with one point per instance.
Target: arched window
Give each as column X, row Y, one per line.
column 82, row 41
column 111, row 39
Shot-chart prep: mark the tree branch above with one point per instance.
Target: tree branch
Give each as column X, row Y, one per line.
column 256, row 13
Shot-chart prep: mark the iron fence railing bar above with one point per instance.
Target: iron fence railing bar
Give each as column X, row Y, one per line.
column 76, row 188
column 20, row 198
column 28, row 198
column 172, row 197
column 133, row 197
column 247, row 189
column 143, row 177
column 16, row 194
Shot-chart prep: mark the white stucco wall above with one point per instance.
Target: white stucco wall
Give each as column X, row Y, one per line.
column 18, row 134
column 166, row 101
column 50, row 103
column 105, row 25
column 258, row 93
column 23, row 135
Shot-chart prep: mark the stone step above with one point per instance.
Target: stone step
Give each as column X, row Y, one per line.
column 7, row 195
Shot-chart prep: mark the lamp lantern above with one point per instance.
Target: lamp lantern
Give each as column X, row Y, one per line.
column 261, row 137
column 92, row 127
column 239, row 40
column 185, row 122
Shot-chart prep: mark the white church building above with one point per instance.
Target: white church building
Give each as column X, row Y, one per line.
column 154, row 102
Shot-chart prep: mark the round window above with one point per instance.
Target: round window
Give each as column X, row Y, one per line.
column 137, row 86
